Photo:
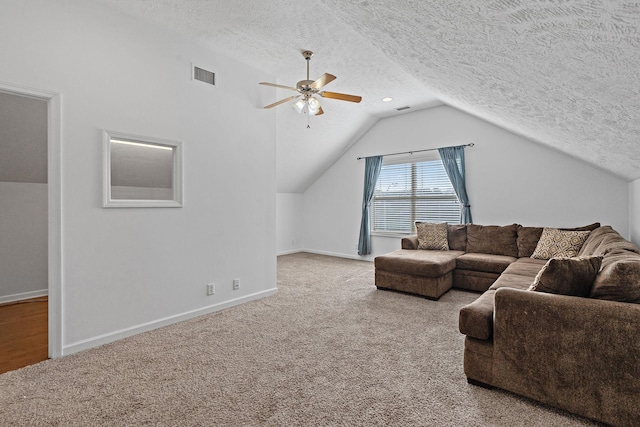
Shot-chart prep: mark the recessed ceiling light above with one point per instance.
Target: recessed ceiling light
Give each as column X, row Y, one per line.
column 387, row 99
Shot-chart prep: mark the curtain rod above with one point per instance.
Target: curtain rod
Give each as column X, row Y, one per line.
column 418, row 151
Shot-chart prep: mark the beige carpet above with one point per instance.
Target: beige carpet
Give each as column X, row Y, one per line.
column 327, row 350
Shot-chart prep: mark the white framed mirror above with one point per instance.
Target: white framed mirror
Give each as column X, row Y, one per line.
column 141, row 171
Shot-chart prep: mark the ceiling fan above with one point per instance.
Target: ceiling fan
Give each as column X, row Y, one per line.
column 307, row 89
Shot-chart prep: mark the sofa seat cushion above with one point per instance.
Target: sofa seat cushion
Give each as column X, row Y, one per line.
column 515, row 281
column 526, row 267
column 471, row 280
column 476, row 319
column 418, row 262
column 484, row 262
column 540, row 262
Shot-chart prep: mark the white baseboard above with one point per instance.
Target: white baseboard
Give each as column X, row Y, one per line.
column 134, row 330
column 289, row 252
column 339, row 255
column 24, row 295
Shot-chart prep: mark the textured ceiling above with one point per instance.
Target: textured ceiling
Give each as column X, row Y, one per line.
column 563, row 73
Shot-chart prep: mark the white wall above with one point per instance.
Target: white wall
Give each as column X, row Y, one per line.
column 509, row 180
column 288, row 223
column 23, row 240
column 127, row 270
column 634, row 211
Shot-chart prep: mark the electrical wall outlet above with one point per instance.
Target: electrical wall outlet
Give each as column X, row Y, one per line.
column 236, row 284
column 211, row 288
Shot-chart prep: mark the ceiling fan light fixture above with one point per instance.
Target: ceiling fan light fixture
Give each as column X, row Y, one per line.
column 299, row 105
column 314, row 106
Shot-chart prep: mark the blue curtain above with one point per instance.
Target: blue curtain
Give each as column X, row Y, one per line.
column 371, row 172
column 453, row 161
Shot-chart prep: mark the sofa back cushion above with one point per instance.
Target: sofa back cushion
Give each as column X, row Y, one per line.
column 595, row 239
column 615, row 243
column 589, row 227
column 528, row 240
column 493, row 239
column 619, row 278
column 457, row 236
column 409, row 242
column 606, row 240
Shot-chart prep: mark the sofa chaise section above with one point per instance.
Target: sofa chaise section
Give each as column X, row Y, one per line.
column 422, row 272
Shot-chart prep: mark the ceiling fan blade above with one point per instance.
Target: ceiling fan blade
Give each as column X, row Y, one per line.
column 280, row 86
column 341, row 96
column 324, row 80
column 320, row 111
column 282, row 101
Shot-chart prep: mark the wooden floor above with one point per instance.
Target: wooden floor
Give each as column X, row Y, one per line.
column 23, row 333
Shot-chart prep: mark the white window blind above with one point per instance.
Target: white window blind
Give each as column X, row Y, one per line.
column 410, row 189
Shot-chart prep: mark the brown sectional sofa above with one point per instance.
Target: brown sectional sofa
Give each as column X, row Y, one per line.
column 580, row 354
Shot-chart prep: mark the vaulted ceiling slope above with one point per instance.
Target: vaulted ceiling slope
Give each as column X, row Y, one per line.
column 565, row 74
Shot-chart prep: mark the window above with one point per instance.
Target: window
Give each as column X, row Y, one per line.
column 413, row 189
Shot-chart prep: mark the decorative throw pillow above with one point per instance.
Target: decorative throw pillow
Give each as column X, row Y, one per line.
column 568, row 276
column 432, row 236
column 528, row 237
column 559, row 243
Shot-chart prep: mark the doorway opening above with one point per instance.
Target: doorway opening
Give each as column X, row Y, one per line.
column 30, row 222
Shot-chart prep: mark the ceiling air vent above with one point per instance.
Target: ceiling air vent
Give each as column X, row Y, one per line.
column 403, row 108
column 204, row 75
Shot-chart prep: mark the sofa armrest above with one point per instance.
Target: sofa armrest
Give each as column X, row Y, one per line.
column 579, row 354
column 410, row 242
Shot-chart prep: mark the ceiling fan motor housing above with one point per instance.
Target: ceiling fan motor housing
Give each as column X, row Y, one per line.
column 304, row 87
